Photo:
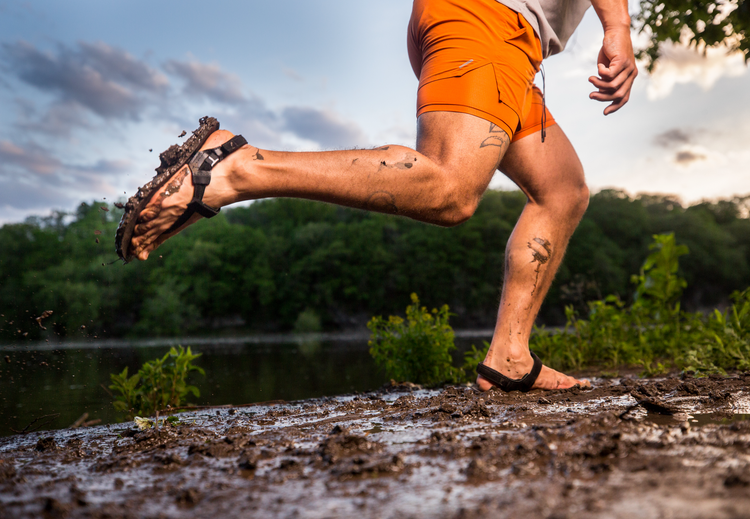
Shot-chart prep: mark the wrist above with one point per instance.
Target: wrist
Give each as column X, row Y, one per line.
column 617, row 26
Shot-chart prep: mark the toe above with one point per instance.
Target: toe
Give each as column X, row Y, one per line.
column 148, row 214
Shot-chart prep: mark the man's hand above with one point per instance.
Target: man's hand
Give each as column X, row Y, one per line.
column 617, row 70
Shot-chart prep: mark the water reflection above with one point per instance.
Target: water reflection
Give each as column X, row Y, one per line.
column 71, row 379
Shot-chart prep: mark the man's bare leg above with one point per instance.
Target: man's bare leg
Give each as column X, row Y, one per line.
column 551, row 176
column 441, row 183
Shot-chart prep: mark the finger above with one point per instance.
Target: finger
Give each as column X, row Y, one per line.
column 610, row 84
column 622, row 92
column 616, row 106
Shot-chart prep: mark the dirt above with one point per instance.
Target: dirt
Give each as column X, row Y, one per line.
column 669, row 447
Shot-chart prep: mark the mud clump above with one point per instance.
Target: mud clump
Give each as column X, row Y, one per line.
column 47, row 444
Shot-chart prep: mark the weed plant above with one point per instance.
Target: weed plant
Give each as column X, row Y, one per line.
column 158, row 384
column 417, row 349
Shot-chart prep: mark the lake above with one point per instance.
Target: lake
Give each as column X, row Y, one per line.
column 67, row 378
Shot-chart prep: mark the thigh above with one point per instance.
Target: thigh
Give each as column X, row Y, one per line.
column 544, row 170
column 465, row 145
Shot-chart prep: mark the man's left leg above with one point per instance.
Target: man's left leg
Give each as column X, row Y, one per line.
column 551, row 176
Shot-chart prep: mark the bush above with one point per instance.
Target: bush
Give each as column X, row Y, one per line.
column 417, row 349
column 654, row 332
column 158, row 384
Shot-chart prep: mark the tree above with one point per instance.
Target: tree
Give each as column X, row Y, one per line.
column 697, row 23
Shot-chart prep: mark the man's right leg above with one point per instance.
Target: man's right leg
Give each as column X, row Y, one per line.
column 441, row 182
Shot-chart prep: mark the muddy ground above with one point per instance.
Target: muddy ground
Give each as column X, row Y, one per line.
column 673, row 447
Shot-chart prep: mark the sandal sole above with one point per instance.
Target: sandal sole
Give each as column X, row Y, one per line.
column 172, row 160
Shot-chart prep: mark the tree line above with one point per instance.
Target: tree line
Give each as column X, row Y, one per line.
column 286, row 264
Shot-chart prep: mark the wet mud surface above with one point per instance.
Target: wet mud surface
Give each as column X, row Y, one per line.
column 670, row 447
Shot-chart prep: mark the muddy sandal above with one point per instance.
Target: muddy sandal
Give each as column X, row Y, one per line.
column 199, row 163
column 507, row 384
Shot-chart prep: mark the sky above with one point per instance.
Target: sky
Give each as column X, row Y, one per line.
column 92, row 91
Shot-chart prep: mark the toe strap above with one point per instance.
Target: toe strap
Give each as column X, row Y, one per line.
column 200, row 166
column 507, row 384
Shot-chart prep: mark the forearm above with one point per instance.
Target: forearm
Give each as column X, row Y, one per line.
column 612, row 13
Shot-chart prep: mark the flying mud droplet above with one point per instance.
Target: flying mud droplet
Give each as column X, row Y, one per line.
column 97, row 232
column 104, row 208
column 182, row 134
column 150, row 150
column 44, row 315
column 97, row 240
column 119, row 205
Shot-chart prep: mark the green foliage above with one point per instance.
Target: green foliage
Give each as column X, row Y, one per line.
column 703, row 23
column 260, row 267
column 658, row 286
column 158, row 384
column 307, row 321
column 417, row 349
column 472, row 357
column 653, row 333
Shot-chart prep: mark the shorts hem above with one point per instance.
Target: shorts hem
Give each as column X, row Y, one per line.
column 533, row 129
column 468, row 110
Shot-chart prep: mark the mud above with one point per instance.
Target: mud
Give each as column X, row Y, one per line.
column 672, row 447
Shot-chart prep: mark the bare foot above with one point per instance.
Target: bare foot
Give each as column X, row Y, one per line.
column 548, row 379
column 172, row 199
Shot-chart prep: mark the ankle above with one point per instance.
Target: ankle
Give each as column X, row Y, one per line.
column 512, row 357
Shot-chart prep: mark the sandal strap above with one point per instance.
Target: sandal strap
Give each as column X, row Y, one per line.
column 200, row 166
column 507, row 384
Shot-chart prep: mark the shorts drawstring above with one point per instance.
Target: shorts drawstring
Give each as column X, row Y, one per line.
column 544, row 102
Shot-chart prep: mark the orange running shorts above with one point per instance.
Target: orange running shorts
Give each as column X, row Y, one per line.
column 477, row 57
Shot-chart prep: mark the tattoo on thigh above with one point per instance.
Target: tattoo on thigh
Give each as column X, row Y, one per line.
column 382, row 202
column 498, row 138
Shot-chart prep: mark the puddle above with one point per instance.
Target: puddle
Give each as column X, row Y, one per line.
column 376, row 428
column 696, row 419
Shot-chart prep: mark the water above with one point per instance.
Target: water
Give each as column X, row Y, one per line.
column 69, row 380
column 697, row 419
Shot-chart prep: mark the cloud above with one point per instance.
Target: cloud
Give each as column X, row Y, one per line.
column 106, row 80
column 207, row 80
column 60, row 119
column 31, row 158
column 686, row 157
column 680, row 64
column 673, row 137
column 323, row 127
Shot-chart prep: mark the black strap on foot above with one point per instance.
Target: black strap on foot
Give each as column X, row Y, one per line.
column 509, row 384
column 200, row 166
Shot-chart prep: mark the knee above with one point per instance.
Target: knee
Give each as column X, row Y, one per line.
column 458, row 203
column 569, row 199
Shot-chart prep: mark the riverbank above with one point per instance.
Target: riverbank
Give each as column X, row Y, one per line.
column 628, row 447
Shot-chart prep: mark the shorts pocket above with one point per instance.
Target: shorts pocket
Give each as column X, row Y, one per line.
column 450, row 68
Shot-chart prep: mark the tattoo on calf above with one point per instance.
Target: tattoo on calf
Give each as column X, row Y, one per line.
column 541, row 252
column 382, row 202
column 258, row 156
